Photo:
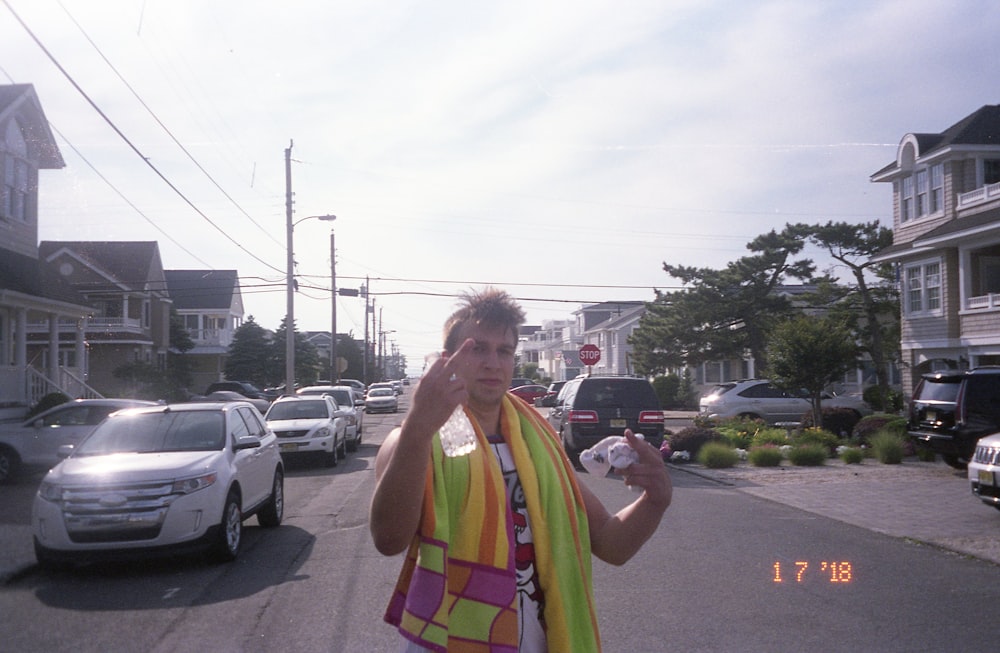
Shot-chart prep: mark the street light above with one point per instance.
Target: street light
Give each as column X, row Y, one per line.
column 290, row 297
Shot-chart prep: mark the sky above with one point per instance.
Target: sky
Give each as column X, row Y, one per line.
column 562, row 151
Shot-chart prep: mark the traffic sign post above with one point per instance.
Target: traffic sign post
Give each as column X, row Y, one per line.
column 590, row 355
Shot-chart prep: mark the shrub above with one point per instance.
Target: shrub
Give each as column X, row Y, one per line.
column 50, row 400
column 667, row 388
column 766, row 455
column 769, row 435
column 888, row 447
column 893, row 402
column 739, row 431
column 692, row 438
column 835, row 420
column 808, row 455
column 869, row 426
column 925, row 455
column 852, row 455
column 717, row 455
column 819, row 437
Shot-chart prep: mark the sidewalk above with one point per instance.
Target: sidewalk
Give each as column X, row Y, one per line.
column 926, row 502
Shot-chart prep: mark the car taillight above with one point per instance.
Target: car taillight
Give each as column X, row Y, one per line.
column 651, row 417
column 582, row 416
column 960, row 405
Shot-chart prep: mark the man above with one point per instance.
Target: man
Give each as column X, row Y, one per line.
column 498, row 541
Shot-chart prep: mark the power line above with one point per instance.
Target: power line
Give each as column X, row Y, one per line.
column 128, row 142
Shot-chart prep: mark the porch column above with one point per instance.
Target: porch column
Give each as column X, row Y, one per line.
column 5, row 340
column 53, row 368
column 21, row 349
column 81, row 349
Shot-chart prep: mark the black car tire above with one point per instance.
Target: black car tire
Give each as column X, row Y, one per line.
column 352, row 446
column 330, row 459
column 954, row 461
column 227, row 542
column 271, row 514
column 343, row 447
column 9, row 464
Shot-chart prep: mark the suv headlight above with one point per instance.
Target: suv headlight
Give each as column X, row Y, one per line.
column 321, row 432
column 50, row 492
column 189, row 485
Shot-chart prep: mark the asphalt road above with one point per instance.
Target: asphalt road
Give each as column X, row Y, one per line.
column 706, row 581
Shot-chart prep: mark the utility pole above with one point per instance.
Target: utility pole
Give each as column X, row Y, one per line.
column 289, row 279
column 364, row 357
column 334, row 367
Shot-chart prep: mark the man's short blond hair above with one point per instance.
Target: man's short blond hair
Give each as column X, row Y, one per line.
column 489, row 307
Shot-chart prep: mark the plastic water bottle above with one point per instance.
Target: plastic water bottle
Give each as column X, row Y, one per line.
column 458, row 437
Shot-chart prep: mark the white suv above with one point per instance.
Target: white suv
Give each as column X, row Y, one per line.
column 309, row 425
column 164, row 478
column 984, row 470
column 349, row 404
column 760, row 399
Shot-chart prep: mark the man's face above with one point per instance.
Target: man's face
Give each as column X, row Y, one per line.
column 490, row 366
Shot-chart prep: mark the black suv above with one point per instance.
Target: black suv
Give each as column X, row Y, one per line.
column 950, row 411
column 591, row 408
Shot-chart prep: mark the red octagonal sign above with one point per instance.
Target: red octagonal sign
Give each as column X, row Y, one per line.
column 590, row 355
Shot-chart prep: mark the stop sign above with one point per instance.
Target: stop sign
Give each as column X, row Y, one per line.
column 590, row 355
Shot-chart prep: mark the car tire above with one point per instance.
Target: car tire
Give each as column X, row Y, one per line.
column 954, row 461
column 47, row 561
column 352, row 446
column 330, row 458
column 271, row 514
column 343, row 446
column 227, row 542
column 10, row 462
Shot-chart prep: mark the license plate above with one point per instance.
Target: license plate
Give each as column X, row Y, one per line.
column 619, row 423
column 986, row 477
column 931, row 416
column 290, row 446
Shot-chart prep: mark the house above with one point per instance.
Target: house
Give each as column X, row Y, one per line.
column 210, row 305
column 612, row 338
column 124, row 285
column 30, row 292
column 946, row 245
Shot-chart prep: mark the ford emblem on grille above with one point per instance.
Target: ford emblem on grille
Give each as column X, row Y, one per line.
column 113, row 500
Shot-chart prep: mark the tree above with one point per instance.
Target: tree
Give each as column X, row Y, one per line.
column 307, row 362
column 809, row 352
column 251, row 357
column 724, row 313
column 871, row 306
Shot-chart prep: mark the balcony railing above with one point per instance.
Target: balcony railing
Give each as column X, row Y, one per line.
column 979, row 196
column 983, row 302
column 93, row 324
column 221, row 337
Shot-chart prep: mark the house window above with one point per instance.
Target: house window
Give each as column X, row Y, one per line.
column 14, row 192
column 146, row 315
column 923, row 288
column 906, row 203
column 991, row 171
column 923, row 186
column 937, row 188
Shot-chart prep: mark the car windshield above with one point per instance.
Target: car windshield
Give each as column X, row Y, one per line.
column 157, row 432
column 381, row 392
column 342, row 397
column 632, row 396
column 943, row 390
column 310, row 409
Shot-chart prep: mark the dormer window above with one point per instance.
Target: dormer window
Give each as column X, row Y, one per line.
column 922, row 193
column 991, row 171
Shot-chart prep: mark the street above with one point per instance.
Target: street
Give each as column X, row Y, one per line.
column 726, row 571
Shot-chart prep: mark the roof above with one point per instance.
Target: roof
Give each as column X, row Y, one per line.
column 21, row 100
column 201, row 289
column 981, row 127
column 127, row 263
column 27, row 275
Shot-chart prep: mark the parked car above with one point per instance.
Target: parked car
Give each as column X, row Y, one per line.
column 950, row 411
column 381, row 400
column 227, row 395
column 309, row 426
column 359, row 388
column 548, row 400
column 519, row 381
column 161, row 479
column 761, row 399
column 349, row 404
column 529, row 392
column 594, row 407
column 984, row 470
column 35, row 442
column 248, row 390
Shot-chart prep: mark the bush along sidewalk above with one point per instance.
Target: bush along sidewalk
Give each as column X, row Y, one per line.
column 729, row 442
